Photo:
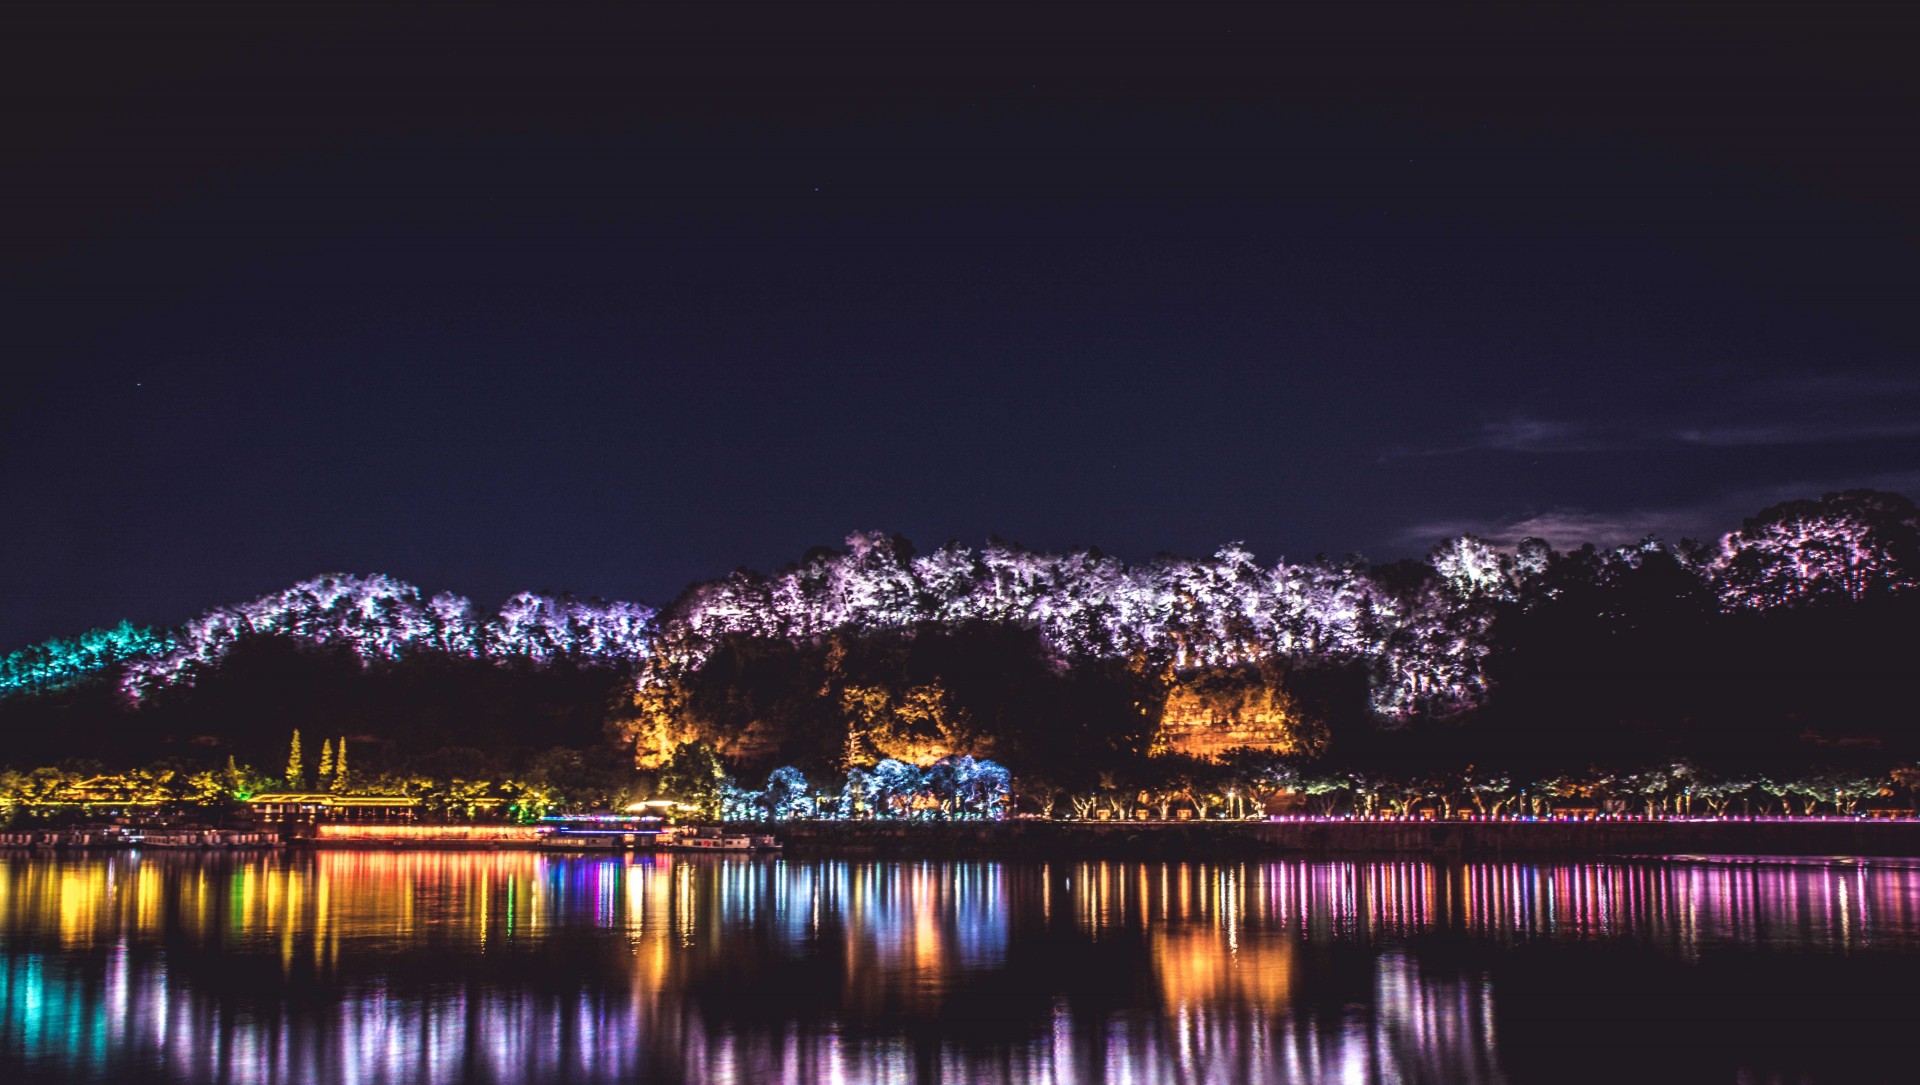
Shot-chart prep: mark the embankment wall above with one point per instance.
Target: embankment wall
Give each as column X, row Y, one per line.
column 1462, row 839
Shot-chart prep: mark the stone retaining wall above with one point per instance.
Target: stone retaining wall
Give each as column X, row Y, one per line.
column 1464, row 839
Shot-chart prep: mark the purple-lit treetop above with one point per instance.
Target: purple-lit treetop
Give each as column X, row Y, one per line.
column 380, row 618
column 1846, row 547
column 1424, row 645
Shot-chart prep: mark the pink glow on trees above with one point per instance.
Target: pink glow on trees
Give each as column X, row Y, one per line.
column 381, row 618
column 1424, row 650
column 1845, row 547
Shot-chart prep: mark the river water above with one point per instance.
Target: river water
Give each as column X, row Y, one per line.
column 363, row 967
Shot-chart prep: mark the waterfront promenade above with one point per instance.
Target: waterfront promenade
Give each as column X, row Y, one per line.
column 1158, row 840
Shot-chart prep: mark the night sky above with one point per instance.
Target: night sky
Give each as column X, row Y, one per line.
column 574, row 301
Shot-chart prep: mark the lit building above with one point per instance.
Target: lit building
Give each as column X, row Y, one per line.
column 319, row 806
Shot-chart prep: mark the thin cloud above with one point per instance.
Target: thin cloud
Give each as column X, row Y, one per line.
column 1528, row 435
column 1564, row 528
column 1830, row 409
column 1707, row 519
column 1811, row 432
column 1840, row 387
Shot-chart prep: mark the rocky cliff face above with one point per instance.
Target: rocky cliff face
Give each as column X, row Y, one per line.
column 1211, row 713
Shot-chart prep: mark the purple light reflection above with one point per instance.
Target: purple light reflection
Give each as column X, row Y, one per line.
column 364, row 967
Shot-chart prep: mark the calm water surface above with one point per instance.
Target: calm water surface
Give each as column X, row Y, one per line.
column 510, row 967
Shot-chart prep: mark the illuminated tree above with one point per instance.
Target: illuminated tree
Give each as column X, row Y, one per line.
column 325, row 769
column 13, row 793
column 1845, row 547
column 694, row 775
column 856, row 796
column 896, row 784
column 242, row 781
column 208, row 788
column 459, row 799
column 989, row 790
column 528, row 802
column 787, row 794
column 1907, row 777
column 736, row 803
column 1779, row 787
column 1656, row 787
column 1846, row 791
column 1324, row 791
column 1255, row 777
column 340, row 779
column 296, row 765
column 1489, row 791
column 945, row 779
column 1473, row 568
column 1194, row 782
column 1716, row 792
column 56, row 664
column 659, row 722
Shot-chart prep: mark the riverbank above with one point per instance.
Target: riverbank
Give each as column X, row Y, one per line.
column 1217, row 840
column 1275, row 839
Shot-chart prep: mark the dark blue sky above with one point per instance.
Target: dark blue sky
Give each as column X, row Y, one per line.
column 610, row 303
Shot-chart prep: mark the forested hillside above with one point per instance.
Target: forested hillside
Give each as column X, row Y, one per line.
column 1788, row 638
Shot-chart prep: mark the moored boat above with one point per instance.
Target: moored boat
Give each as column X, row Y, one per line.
column 714, row 838
column 202, row 839
column 599, row 832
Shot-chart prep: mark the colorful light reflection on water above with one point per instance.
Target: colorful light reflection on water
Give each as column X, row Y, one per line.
column 367, row 967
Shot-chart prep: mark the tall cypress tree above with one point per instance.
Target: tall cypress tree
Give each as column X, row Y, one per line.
column 340, row 766
column 326, row 761
column 296, row 765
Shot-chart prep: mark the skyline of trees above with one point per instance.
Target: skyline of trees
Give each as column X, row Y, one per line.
column 1785, row 643
column 1420, row 625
